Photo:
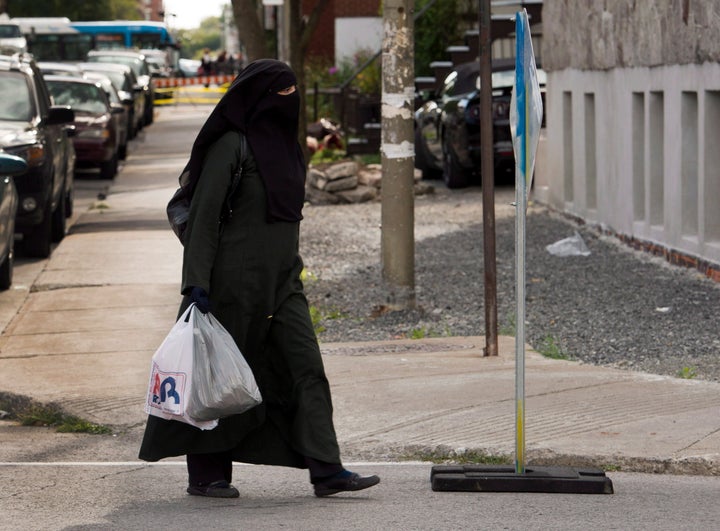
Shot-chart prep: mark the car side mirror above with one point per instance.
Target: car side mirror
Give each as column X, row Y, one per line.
column 12, row 165
column 60, row 115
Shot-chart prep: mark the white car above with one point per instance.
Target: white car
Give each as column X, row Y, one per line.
column 11, row 38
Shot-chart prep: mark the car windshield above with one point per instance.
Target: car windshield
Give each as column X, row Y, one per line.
column 83, row 97
column 107, row 86
column 16, row 102
column 10, row 31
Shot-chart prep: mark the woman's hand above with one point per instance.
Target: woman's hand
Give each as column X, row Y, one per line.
column 200, row 297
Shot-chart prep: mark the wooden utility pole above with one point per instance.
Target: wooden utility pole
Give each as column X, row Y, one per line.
column 398, row 154
column 488, row 179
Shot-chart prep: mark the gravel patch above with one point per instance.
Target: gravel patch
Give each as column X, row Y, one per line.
column 616, row 307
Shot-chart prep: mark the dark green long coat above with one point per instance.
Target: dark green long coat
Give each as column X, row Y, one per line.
column 251, row 270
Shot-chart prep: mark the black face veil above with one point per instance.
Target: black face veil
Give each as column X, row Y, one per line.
column 253, row 106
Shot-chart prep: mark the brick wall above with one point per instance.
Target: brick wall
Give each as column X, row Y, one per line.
column 323, row 41
column 357, row 8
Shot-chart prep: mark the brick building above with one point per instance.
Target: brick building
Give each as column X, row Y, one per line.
column 346, row 26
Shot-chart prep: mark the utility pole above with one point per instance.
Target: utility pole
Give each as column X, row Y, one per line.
column 487, row 171
column 398, row 154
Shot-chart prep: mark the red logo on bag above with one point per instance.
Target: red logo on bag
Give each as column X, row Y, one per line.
column 168, row 390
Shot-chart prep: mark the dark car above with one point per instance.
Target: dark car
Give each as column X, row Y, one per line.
column 32, row 128
column 122, row 116
column 96, row 138
column 9, row 165
column 447, row 128
column 138, row 63
column 129, row 90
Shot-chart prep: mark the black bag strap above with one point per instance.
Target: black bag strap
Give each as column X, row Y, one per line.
column 234, row 181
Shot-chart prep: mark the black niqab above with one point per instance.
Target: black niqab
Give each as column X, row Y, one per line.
column 269, row 121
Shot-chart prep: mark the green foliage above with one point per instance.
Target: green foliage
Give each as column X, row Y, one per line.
column 551, row 348
column 438, row 28
column 318, row 315
column 31, row 413
column 76, row 10
column 458, row 457
column 508, row 328
column 424, row 332
column 326, row 155
column 687, row 373
column 207, row 35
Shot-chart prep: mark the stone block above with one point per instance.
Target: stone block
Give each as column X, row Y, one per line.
column 341, row 170
column 359, row 194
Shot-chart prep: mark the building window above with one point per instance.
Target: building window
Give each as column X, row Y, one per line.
column 657, row 158
column 638, row 155
column 689, row 163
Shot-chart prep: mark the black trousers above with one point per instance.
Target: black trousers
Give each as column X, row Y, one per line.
column 206, row 468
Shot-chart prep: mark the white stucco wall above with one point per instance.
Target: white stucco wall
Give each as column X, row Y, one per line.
column 357, row 33
column 656, row 162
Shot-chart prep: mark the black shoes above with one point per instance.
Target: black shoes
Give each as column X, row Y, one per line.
column 344, row 483
column 216, row 489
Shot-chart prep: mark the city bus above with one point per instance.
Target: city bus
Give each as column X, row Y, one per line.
column 137, row 34
column 54, row 39
column 127, row 34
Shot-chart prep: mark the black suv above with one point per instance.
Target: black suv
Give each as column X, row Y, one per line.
column 32, row 128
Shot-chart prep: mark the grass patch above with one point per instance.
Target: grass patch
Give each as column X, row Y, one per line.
column 31, row 413
column 457, row 457
column 508, row 328
column 551, row 348
column 687, row 373
column 423, row 332
column 318, row 315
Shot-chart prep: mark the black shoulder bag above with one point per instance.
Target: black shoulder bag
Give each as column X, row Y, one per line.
column 178, row 208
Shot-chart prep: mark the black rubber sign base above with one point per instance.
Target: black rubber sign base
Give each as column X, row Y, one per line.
column 503, row 478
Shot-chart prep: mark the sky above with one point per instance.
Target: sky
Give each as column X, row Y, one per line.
column 189, row 13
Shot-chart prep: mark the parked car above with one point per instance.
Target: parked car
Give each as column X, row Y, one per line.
column 59, row 69
column 10, row 165
column 96, row 137
column 129, row 90
column 138, row 63
column 188, row 67
column 122, row 116
column 34, row 129
column 12, row 39
column 447, row 128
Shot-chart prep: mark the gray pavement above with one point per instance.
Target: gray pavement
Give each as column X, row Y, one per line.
column 103, row 302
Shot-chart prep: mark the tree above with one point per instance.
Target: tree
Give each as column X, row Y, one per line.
column 76, row 10
column 301, row 29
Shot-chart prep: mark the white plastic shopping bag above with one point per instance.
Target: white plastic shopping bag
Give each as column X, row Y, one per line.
column 171, row 374
column 223, row 383
column 198, row 374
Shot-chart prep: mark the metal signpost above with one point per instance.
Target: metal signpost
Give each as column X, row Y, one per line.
column 525, row 118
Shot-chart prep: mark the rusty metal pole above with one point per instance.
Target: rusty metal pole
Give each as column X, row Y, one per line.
column 398, row 154
column 488, row 178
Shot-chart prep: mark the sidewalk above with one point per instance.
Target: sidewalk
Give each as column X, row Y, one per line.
column 109, row 295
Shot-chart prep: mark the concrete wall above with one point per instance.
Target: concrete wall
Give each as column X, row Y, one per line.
column 633, row 121
column 605, row 34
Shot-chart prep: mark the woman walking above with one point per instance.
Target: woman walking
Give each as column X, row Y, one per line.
column 246, row 269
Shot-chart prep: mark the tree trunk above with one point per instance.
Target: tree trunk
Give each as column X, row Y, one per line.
column 301, row 32
column 247, row 20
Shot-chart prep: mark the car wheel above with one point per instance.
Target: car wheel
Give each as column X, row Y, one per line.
column 421, row 158
column 69, row 202
column 122, row 151
column 37, row 242
column 108, row 169
column 454, row 175
column 59, row 220
column 6, row 268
